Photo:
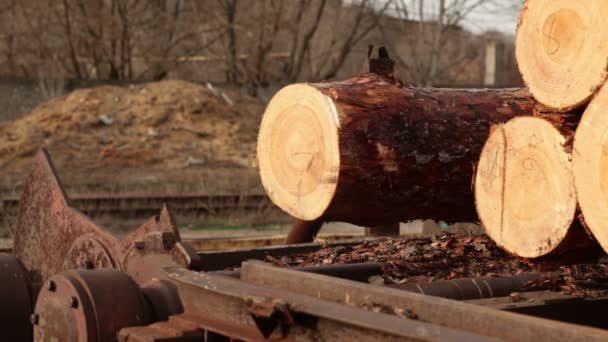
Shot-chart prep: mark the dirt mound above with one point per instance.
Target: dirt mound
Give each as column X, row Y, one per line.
column 168, row 125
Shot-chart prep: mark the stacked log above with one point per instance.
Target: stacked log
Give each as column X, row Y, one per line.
column 526, row 185
column 372, row 152
column 590, row 163
column 369, row 151
column 561, row 50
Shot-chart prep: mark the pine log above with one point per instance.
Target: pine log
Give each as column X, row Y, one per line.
column 590, row 164
column 561, row 48
column 369, row 151
column 524, row 186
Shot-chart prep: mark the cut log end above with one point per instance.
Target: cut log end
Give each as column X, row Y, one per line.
column 299, row 136
column 524, row 188
column 590, row 165
column 561, row 50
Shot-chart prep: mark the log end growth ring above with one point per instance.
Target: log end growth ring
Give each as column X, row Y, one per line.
column 590, row 164
column 299, row 136
column 524, row 187
column 561, row 50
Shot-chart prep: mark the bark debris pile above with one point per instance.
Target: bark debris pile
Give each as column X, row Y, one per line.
column 450, row 256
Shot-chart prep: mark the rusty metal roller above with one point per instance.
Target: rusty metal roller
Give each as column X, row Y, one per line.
column 88, row 306
column 16, row 299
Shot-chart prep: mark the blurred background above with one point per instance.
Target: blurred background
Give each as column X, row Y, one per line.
column 145, row 102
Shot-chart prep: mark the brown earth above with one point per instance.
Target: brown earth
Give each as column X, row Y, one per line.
column 161, row 133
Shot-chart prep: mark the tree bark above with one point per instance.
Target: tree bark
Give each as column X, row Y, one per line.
column 369, row 151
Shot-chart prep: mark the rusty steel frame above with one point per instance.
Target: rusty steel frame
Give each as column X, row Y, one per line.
column 445, row 312
column 246, row 311
column 51, row 236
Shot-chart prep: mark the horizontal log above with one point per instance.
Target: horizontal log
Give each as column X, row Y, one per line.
column 369, row 151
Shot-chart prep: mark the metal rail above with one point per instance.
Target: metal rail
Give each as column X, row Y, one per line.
column 245, row 311
column 142, row 206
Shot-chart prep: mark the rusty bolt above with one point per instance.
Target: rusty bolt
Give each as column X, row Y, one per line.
column 51, row 286
column 34, row 319
column 140, row 244
column 73, row 302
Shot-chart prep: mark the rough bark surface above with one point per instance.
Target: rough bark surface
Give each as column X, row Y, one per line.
column 408, row 153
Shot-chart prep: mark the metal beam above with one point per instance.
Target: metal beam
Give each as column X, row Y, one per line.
column 245, row 311
column 445, row 312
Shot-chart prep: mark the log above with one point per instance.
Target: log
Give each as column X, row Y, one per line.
column 590, row 164
column 369, row 151
column 524, row 186
column 561, row 48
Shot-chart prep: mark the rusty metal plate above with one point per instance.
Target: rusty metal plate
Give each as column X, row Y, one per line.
column 51, row 236
column 47, row 226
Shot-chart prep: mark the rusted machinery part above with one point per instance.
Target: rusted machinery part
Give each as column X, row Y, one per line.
column 221, row 307
column 51, row 236
column 472, row 288
column 47, row 227
column 94, row 305
column 16, row 300
column 244, row 311
column 154, row 245
column 88, row 306
column 163, row 299
column 303, row 231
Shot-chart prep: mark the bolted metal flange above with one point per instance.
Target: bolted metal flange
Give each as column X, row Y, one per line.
column 88, row 305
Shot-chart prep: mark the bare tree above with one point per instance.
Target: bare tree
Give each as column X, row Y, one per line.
column 431, row 42
column 107, row 39
column 356, row 26
column 276, row 43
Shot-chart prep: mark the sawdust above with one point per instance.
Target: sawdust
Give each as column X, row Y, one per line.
column 160, row 126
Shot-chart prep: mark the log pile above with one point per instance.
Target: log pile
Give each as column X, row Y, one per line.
column 529, row 164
